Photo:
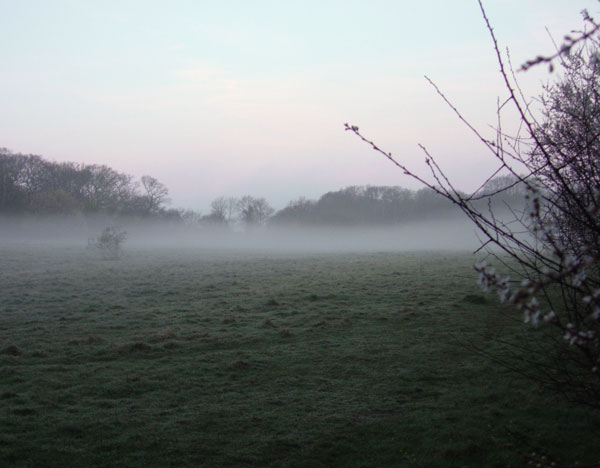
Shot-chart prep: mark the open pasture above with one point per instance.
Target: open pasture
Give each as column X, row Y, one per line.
column 189, row 358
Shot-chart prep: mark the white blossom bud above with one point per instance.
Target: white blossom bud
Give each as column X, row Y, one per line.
column 533, row 304
column 579, row 278
column 550, row 316
column 571, row 262
column 504, row 294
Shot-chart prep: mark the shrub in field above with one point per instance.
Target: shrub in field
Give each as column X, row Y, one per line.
column 552, row 246
column 109, row 243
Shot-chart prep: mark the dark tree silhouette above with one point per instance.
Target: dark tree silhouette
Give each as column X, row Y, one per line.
column 254, row 212
column 30, row 184
column 156, row 195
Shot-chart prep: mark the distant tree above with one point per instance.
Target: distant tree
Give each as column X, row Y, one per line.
column 366, row 206
column 156, row 194
column 429, row 205
column 254, row 212
column 222, row 210
column 54, row 201
column 339, row 207
column 507, row 185
column 34, row 174
column 170, row 215
column 397, row 203
column 299, row 211
column 12, row 192
column 29, row 183
column 218, row 211
column 106, row 190
column 190, row 217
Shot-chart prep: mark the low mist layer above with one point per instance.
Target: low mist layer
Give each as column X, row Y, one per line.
column 452, row 234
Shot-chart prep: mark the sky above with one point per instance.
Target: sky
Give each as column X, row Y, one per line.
column 250, row 97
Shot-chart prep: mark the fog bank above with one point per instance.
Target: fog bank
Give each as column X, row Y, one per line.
column 450, row 234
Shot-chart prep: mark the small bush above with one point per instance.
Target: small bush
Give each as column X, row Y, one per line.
column 109, row 243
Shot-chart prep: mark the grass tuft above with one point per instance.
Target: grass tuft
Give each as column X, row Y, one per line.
column 134, row 348
column 267, row 323
column 11, row 350
column 164, row 335
column 475, row 299
column 239, row 364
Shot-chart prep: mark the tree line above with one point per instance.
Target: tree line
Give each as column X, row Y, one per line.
column 360, row 206
column 29, row 184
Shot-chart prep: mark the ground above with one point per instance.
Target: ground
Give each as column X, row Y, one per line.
column 190, row 358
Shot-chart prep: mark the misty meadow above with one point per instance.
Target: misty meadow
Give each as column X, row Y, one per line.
column 185, row 357
column 299, row 234
column 345, row 331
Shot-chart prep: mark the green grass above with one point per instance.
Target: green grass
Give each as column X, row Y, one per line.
column 187, row 358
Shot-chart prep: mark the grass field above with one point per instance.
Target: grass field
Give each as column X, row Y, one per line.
column 186, row 358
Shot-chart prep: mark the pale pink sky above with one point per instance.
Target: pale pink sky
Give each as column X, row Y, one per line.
column 235, row 97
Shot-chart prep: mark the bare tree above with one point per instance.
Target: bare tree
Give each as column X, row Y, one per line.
column 254, row 212
column 156, row 193
column 553, row 245
column 223, row 209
